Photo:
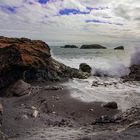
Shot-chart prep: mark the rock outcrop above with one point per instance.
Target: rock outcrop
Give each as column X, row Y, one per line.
column 93, row 46
column 30, row 60
column 69, row 46
column 134, row 74
column 119, row 48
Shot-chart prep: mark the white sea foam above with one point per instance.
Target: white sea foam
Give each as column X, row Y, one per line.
column 103, row 66
column 126, row 95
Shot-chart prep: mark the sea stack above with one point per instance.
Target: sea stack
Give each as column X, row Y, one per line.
column 69, row 46
column 119, row 48
column 93, row 46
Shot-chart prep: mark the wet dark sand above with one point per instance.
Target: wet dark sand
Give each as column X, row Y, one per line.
column 59, row 117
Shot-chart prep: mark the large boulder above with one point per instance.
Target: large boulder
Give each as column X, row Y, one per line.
column 30, row 60
column 93, row 46
column 69, row 46
column 85, row 67
column 119, row 48
column 19, row 88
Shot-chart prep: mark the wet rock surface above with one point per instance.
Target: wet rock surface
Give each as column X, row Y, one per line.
column 85, row 68
column 134, row 74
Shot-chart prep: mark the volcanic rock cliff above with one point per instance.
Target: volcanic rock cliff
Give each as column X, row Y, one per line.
column 30, row 60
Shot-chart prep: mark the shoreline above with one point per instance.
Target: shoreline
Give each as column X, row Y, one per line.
column 57, row 111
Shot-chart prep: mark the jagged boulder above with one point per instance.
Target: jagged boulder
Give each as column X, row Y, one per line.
column 30, row 60
column 85, row 67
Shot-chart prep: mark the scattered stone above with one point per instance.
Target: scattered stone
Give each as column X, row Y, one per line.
column 111, row 105
column 53, row 88
column 1, row 109
column 33, row 107
column 35, row 113
column 95, row 84
column 1, row 113
column 3, row 136
column 104, row 119
column 53, row 112
column 86, row 138
column 24, row 116
column 91, row 109
column 85, row 67
column 62, row 122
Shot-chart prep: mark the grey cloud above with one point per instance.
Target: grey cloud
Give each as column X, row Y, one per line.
column 122, row 11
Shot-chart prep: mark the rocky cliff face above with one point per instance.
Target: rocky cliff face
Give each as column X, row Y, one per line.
column 30, row 60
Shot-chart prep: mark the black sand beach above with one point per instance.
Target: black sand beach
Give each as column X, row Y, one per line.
column 58, row 116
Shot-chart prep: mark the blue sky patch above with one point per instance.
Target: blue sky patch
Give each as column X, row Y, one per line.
column 72, row 11
column 43, row 1
column 8, row 9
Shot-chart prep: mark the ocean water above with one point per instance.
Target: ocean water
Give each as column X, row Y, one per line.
column 113, row 63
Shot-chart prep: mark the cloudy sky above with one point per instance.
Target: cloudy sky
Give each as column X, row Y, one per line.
column 72, row 21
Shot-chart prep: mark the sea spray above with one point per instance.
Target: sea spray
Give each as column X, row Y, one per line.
column 113, row 68
column 102, row 66
column 103, row 62
column 113, row 64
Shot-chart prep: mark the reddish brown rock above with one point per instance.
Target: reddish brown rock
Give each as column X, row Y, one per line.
column 30, row 60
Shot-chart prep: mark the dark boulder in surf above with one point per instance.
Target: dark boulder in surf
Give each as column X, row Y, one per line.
column 31, row 60
column 93, row 46
column 85, row 67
